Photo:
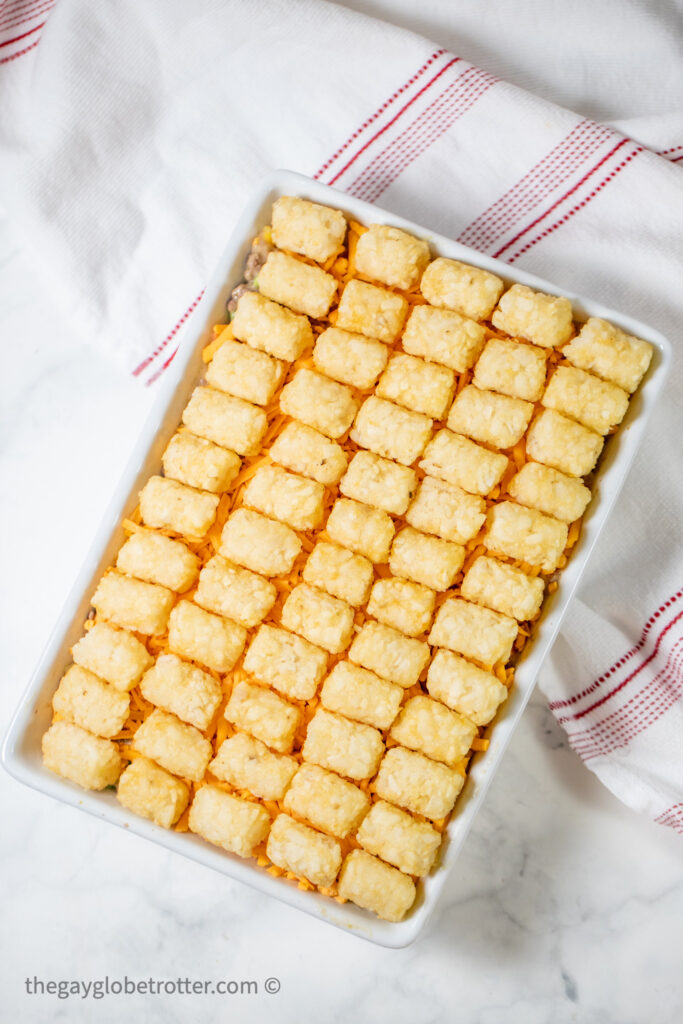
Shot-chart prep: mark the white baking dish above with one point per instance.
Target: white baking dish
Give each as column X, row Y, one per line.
column 21, row 750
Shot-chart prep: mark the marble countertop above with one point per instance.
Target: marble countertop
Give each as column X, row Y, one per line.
column 564, row 906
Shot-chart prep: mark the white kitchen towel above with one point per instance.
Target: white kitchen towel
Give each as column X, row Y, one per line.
column 132, row 133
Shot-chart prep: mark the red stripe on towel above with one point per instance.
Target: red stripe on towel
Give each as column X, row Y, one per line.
column 635, row 716
column 584, row 202
column 546, row 175
column 394, row 119
column 6, row 60
column 666, row 153
column 160, row 348
column 673, row 817
column 169, row 337
column 24, row 35
column 19, row 13
column 554, row 705
column 155, row 376
column 454, row 101
column 562, row 198
column 18, row 18
column 608, row 696
column 378, row 113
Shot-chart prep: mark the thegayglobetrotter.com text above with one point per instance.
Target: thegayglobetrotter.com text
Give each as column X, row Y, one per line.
column 102, row 988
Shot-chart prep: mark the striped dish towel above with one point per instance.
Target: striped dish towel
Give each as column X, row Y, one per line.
column 129, row 153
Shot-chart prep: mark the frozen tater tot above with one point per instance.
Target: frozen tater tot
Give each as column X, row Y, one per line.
column 610, row 353
column 526, row 535
column 446, row 510
column 204, row 637
column 270, row 327
column 88, row 701
column 227, row 821
column 443, row 336
column 295, row 284
column 133, row 604
column 146, row 789
column 418, row 783
column 245, row 372
column 288, row 497
column 367, row 531
column 247, row 763
column 158, row 559
column 307, row 228
column 545, row 320
column 258, row 543
column 474, row 631
column 548, row 490
column 389, row 653
column 227, row 421
column 463, row 686
column 559, row 442
column 489, row 417
column 168, row 505
column 350, row 358
column 238, row 594
column 458, row 460
column 511, row 368
column 307, row 451
column 430, row 727
column 184, row 689
column 264, row 715
column 359, row 694
column 199, row 463
column 339, row 572
column 399, row 839
column 424, row 559
column 418, row 385
column 286, row 662
column 74, row 753
column 326, row 801
column 178, row 747
column 319, row 402
column 402, row 604
column 112, row 654
column 390, row 430
column 503, row 587
column 375, row 312
column 318, row 617
column 379, row 482
column 391, row 256
column 597, row 404
column 370, row 883
column 467, row 290
column 304, row 851
column 348, row 748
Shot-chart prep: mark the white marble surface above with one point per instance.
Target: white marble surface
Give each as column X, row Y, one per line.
column 564, row 906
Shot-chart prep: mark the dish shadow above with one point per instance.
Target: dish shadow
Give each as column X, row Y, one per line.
column 502, row 899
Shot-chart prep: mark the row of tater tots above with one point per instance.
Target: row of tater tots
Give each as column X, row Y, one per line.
column 353, row 673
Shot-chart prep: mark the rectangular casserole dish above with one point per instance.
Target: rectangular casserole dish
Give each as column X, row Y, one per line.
column 21, row 750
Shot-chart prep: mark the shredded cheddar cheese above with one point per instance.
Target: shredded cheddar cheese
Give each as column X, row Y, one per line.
column 341, row 265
